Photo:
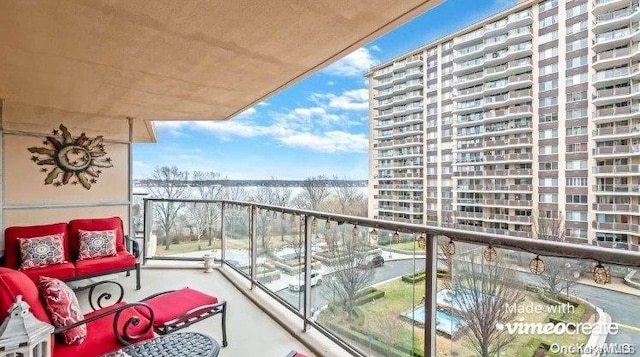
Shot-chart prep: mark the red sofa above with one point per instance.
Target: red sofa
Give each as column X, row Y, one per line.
column 108, row 328
column 74, row 269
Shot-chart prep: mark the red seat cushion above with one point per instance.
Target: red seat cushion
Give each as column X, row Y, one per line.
column 174, row 304
column 100, row 335
column 14, row 283
column 122, row 260
column 12, row 248
column 94, row 224
column 59, row 271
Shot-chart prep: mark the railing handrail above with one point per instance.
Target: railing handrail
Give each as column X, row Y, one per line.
column 534, row 246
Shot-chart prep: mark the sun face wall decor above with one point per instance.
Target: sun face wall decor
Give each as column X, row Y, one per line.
column 75, row 161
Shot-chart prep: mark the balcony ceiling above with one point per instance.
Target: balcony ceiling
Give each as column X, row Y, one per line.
column 177, row 60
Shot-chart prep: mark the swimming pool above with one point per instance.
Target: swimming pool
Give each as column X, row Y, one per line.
column 445, row 322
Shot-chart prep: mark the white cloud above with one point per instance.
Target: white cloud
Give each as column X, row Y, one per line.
column 330, row 141
column 357, row 99
column 357, row 63
column 330, row 83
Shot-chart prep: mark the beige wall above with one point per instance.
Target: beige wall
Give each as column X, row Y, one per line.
column 26, row 200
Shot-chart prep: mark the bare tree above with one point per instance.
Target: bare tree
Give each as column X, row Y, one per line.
column 235, row 219
column 350, row 200
column 350, row 276
column 276, row 196
column 170, row 183
column 315, row 192
column 207, row 214
column 483, row 296
column 556, row 275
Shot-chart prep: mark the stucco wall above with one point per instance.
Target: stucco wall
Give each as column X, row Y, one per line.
column 26, row 200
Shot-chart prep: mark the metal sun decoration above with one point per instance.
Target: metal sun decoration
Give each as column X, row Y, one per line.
column 422, row 241
column 396, row 237
column 373, row 235
column 450, row 249
column 78, row 160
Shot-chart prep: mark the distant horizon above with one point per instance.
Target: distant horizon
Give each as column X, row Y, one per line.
column 318, row 126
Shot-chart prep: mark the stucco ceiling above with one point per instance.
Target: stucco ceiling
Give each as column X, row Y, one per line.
column 181, row 59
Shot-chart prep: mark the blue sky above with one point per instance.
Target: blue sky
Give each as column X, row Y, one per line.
column 317, row 126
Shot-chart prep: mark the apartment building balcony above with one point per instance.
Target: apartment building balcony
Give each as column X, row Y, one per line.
column 495, row 173
column 523, row 157
column 616, row 208
column 600, row 7
column 616, row 95
column 615, row 170
column 615, row 57
column 467, row 93
column 616, row 113
column 616, row 150
column 510, row 83
column 383, row 103
column 503, row 143
column 467, row 67
column 602, row 189
column 616, row 227
column 617, row 131
column 511, row 98
column 495, row 188
column 384, row 83
column 616, row 75
column 384, row 72
column 467, row 53
column 504, row 232
column 614, row 19
column 511, row 22
column 382, row 94
column 468, row 80
column 468, row 39
column 616, row 38
column 510, row 53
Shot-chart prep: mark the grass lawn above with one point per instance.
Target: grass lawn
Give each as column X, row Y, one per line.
column 408, row 247
column 382, row 319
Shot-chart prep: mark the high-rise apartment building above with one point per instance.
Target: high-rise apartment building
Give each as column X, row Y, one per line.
column 528, row 115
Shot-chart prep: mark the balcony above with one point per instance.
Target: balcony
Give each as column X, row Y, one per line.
column 604, row 6
column 616, row 38
column 618, row 131
column 617, row 227
column 616, row 94
column 621, row 189
column 617, row 170
column 616, row 75
column 608, row 114
column 615, row 57
column 617, row 150
column 617, row 208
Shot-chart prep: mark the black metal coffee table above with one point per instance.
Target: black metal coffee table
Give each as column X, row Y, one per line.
column 182, row 344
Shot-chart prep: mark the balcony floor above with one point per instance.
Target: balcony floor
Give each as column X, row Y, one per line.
column 250, row 331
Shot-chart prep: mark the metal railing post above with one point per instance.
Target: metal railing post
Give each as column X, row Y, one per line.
column 223, row 241
column 252, row 244
column 430, row 288
column 307, row 270
column 147, row 224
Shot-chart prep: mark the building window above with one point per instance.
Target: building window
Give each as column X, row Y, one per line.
column 577, row 27
column 577, row 199
column 548, row 150
column 548, row 53
column 577, row 10
column 548, row 182
column 576, row 62
column 548, row 37
column 548, row 198
column 580, row 147
column 577, row 113
column 577, row 130
column 577, row 79
column 548, row 85
column 547, row 5
column 548, row 166
column 577, row 45
column 548, row 21
column 549, row 69
column 576, row 96
column 576, row 216
column 577, row 165
column 548, row 134
column 576, row 182
column 548, row 101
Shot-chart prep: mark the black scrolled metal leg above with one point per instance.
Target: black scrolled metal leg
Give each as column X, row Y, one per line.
column 224, row 324
column 96, row 302
column 124, row 336
column 138, row 286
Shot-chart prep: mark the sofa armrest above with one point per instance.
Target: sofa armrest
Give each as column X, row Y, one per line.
column 132, row 246
column 124, row 335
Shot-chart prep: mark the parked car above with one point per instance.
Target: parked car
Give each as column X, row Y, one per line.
column 297, row 282
column 372, row 261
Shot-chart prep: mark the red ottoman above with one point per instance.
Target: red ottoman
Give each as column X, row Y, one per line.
column 177, row 309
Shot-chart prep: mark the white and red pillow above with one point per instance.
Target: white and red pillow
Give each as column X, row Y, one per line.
column 38, row 252
column 96, row 244
column 63, row 308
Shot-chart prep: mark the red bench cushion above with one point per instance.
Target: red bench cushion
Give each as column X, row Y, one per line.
column 122, row 260
column 59, row 271
column 12, row 234
column 174, row 304
column 94, row 224
column 100, row 335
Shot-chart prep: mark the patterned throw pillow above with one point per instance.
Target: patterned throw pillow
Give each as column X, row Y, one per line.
column 63, row 308
column 39, row 252
column 95, row 244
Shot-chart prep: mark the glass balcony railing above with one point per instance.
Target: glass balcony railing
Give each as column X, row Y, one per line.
column 385, row 288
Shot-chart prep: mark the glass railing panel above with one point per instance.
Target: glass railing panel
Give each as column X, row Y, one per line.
column 513, row 303
column 370, row 289
column 280, row 255
column 182, row 230
column 236, row 235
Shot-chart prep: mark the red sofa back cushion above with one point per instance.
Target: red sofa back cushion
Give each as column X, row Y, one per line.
column 14, row 283
column 94, row 224
column 12, row 247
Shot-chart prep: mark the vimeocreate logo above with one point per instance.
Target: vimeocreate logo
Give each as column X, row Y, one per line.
column 560, row 328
